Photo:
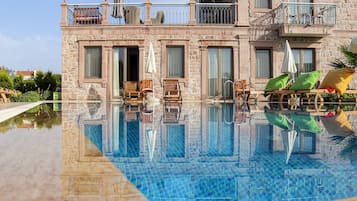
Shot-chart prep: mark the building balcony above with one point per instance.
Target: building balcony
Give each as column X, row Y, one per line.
column 147, row 13
column 305, row 19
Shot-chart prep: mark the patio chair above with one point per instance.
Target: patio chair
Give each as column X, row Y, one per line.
column 131, row 90
column 87, row 15
column 159, row 18
column 172, row 112
column 132, row 15
column 172, row 91
column 241, row 90
column 146, row 86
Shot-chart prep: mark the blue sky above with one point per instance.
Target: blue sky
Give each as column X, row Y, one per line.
column 30, row 34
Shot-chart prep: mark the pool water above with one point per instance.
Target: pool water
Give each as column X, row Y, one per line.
column 193, row 151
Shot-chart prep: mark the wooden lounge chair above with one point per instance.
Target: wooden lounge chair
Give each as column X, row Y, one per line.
column 131, row 90
column 146, row 86
column 172, row 112
column 172, row 91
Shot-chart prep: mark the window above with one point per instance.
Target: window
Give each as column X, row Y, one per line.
column 263, row 4
column 304, row 60
column 93, row 62
column 93, row 140
column 175, row 141
column 175, row 62
column 264, row 138
column 263, row 63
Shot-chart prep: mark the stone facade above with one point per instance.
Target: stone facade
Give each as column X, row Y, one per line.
column 252, row 29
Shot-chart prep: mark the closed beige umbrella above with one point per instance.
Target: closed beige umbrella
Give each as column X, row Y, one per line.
column 118, row 9
column 289, row 61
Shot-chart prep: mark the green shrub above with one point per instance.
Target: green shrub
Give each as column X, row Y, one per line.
column 30, row 96
column 5, row 80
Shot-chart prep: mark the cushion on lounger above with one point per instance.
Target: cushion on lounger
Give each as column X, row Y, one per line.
column 277, row 82
column 338, row 79
column 305, row 81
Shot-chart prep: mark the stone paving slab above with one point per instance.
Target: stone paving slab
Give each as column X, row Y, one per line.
column 12, row 109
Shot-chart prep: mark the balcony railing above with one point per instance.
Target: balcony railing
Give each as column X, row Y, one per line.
column 305, row 13
column 150, row 13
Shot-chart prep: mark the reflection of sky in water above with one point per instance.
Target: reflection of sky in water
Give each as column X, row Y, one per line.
column 220, row 159
column 188, row 152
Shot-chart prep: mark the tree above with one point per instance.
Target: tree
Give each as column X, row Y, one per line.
column 5, row 80
column 349, row 59
column 45, row 81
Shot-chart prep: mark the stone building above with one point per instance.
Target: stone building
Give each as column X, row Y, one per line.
column 201, row 43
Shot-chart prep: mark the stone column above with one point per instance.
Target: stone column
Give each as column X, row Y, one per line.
column 204, row 65
column 64, row 17
column 148, row 5
column 105, row 6
column 192, row 12
column 242, row 13
column 244, row 55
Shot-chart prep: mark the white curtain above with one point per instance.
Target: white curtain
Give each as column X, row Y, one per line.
column 212, row 71
column 262, row 4
column 263, row 64
column 93, row 62
column 304, row 59
column 116, row 84
column 227, row 71
column 175, row 61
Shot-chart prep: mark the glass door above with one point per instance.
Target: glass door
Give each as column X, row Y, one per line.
column 220, row 69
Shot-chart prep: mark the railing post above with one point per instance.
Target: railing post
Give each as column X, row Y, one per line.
column 64, row 17
column 192, row 12
column 242, row 13
column 105, row 6
column 148, row 5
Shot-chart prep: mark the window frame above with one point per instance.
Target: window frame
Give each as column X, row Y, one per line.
column 85, row 62
column 271, row 62
column 270, row 5
column 300, row 66
column 82, row 58
column 183, row 62
column 168, row 43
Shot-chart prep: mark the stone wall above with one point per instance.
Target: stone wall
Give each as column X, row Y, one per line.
column 243, row 40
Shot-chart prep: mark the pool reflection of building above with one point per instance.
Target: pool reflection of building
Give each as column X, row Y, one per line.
column 195, row 151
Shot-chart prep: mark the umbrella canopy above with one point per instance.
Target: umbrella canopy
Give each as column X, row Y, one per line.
column 151, row 64
column 118, row 9
column 289, row 61
column 291, row 136
column 151, row 141
column 353, row 45
column 151, row 68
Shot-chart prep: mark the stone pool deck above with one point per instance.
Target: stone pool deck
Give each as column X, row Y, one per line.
column 8, row 110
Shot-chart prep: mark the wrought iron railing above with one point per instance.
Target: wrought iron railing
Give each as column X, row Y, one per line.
column 160, row 13
column 215, row 13
column 305, row 13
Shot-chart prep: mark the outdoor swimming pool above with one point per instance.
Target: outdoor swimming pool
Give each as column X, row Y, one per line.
column 104, row 151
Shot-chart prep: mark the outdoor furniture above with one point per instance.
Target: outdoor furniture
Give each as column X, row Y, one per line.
column 89, row 15
column 172, row 112
column 132, row 15
column 242, row 90
column 131, row 90
column 146, row 86
column 172, row 91
column 159, row 18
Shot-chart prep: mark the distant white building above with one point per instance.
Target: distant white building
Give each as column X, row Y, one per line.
column 27, row 74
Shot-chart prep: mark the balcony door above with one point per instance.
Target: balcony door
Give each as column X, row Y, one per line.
column 125, row 67
column 220, row 69
column 300, row 11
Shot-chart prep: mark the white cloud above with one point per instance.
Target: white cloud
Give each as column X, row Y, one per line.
column 30, row 52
